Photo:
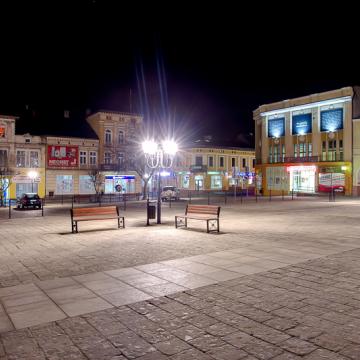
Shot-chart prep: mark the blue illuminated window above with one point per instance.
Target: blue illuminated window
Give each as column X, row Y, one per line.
column 301, row 124
column 331, row 120
column 276, row 127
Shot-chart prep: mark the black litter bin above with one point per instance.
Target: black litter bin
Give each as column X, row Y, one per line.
column 151, row 210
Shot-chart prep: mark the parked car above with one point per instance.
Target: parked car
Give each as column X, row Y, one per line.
column 170, row 193
column 28, row 200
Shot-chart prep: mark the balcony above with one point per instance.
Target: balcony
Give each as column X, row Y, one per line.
column 198, row 168
column 113, row 167
column 293, row 159
column 331, row 157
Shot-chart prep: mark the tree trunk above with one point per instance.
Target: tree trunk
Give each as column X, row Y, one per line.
column 145, row 188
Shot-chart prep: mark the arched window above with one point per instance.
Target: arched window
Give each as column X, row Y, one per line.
column 121, row 137
column 107, row 136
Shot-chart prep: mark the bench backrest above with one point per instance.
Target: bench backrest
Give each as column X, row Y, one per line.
column 100, row 210
column 203, row 209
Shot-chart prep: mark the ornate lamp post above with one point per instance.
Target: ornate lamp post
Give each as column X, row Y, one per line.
column 32, row 175
column 159, row 156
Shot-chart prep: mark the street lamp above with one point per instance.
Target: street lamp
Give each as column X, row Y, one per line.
column 32, row 175
column 159, row 156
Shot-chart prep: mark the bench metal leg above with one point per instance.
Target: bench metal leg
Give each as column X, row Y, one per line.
column 121, row 222
column 180, row 222
column 74, row 227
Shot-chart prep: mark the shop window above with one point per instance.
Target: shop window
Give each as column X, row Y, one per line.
column 34, row 159
column 216, row 182
column 3, row 158
column 121, row 137
column 108, row 136
column 83, row 157
column 64, row 184
column 86, row 185
column 20, row 158
column 107, row 158
column 93, row 157
column 221, row 161
column 211, row 161
column 186, row 181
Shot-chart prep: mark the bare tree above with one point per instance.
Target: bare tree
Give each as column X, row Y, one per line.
column 6, row 175
column 97, row 179
column 137, row 162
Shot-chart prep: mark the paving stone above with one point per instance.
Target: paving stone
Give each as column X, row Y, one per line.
column 172, row 346
column 207, row 342
column 220, row 329
column 330, row 342
column 188, row 332
column 298, row 346
column 322, row 354
column 304, row 332
column 131, row 345
column 227, row 352
column 156, row 355
column 351, row 351
column 202, row 321
column 281, row 323
column 191, row 354
column 287, row 356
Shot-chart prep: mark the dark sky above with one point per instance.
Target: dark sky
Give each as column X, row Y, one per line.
column 215, row 63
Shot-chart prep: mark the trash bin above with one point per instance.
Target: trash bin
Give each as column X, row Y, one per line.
column 151, row 211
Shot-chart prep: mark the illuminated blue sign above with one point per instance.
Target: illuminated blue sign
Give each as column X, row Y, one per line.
column 116, row 177
column 301, row 124
column 331, row 120
column 276, row 127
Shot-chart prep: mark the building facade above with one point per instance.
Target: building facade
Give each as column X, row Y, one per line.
column 68, row 164
column 117, row 133
column 309, row 144
column 214, row 168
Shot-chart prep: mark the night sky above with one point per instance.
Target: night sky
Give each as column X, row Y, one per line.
column 205, row 69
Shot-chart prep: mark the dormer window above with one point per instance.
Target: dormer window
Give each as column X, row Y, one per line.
column 28, row 140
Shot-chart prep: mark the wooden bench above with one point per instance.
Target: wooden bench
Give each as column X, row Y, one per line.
column 208, row 213
column 95, row 213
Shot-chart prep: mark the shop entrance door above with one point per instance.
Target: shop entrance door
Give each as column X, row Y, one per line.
column 199, row 183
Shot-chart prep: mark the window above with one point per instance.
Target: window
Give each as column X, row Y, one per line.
column 296, row 150
column 211, row 161
column 254, row 162
column 233, row 162
column 283, row 152
column 34, row 159
column 107, row 158
column 341, row 151
column 216, row 182
column 323, row 151
column 120, row 160
column 121, row 137
column 83, row 156
column 3, row 157
column 198, row 160
column 332, row 150
column 107, row 136
column 302, row 150
column 92, row 158
column 86, row 185
column 64, row 184
column 20, row 158
column 221, row 161
column 244, row 160
column 310, row 149
column 270, row 155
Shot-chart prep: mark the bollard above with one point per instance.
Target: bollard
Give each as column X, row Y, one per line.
column 270, row 195
column 42, row 208
column 170, row 203
column 9, row 208
column 241, row 196
column 282, row 194
column 256, row 195
column 292, row 194
column 147, row 212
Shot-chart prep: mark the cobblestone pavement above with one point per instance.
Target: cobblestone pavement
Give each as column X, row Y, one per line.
column 310, row 311
column 43, row 248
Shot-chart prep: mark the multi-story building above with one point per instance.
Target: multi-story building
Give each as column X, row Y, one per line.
column 69, row 162
column 22, row 158
column 117, row 133
column 214, row 167
column 309, row 144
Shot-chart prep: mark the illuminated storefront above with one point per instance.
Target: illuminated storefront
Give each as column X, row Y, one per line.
column 119, row 184
column 302, row 178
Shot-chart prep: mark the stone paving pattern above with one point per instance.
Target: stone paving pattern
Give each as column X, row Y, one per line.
column 310, row 311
